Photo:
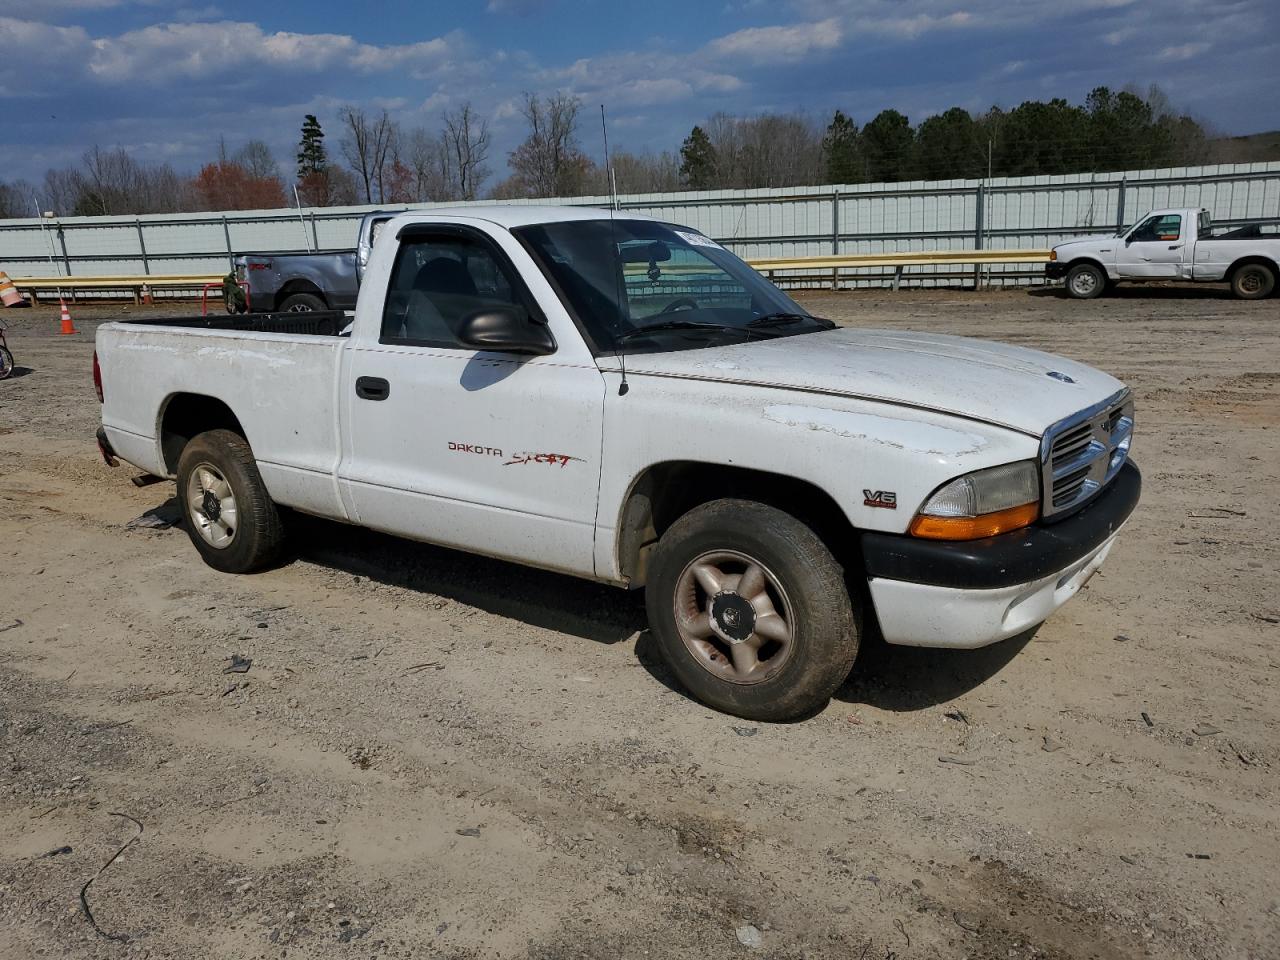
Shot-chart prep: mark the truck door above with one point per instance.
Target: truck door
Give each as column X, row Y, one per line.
column 1153, row 249
column 496, row 453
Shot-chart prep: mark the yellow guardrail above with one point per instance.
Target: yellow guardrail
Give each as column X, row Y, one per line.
column 898, row 260
column 181, row 281
column 923, row 258
column 156, row 280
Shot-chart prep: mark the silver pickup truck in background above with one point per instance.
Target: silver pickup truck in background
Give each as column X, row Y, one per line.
column 302, row 282
column 1175, row 244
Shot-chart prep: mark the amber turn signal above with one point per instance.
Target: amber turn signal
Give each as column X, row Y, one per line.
column 975, row 528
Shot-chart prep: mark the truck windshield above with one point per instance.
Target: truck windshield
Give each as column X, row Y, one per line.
column 656, row 287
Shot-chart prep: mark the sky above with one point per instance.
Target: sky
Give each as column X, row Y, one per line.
column 167, row 79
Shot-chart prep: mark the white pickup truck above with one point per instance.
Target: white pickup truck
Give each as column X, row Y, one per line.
column 1171, row 245
column 625, row 400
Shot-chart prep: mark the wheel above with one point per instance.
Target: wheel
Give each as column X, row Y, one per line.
column 751, row 610
column 302, row 303
column 6, row 363
column 229, row 514
column 1253, row 281
column 1086, row 281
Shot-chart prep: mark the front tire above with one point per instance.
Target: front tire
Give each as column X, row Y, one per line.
column 1253, row 281
column 6, row 363
column 1085, row 281
column 229, row 514
column 751, row 611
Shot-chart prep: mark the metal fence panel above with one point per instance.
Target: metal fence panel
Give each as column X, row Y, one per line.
column 1002, row 213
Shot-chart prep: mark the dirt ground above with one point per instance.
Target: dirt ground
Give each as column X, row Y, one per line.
column 439, row 756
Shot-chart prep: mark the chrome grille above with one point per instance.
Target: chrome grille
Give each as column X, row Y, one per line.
column 1082, row 454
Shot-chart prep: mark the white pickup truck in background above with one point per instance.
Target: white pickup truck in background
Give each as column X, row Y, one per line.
column 624, row 400
column 1174, row 244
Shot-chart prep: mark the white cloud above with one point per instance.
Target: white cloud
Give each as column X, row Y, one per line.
column 1184, row 51
column 201, row 50
column 630, row 79
column 763, row 45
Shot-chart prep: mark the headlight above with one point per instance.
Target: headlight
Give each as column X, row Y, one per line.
column 982, row 504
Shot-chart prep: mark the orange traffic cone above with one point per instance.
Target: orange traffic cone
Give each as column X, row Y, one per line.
column 67, row 326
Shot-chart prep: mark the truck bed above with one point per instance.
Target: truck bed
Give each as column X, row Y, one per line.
column 327, row 323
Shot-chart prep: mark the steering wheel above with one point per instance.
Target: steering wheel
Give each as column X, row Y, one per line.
column 682, row 303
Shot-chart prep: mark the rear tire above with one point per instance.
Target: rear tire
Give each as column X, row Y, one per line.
column 1253, row 281
column 228, row 513
column 719, row 575
column 6, row 363
column 303, row 303
column 1085, row 281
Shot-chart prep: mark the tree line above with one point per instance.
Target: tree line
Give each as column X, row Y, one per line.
column 379, row 161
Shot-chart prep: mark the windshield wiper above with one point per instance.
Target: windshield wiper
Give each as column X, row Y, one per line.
column 786, row 319
column 673, row 325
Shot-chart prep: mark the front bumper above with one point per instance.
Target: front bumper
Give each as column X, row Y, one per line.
column 930, row 593
column 1055, row 270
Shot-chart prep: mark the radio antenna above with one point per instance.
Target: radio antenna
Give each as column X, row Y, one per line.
column 608, row 167
column 623, row 387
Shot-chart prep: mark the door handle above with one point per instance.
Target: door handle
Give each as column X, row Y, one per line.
column 1176, row 246
column 372, row 388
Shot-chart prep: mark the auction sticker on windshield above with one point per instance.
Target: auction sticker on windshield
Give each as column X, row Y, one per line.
column 697, row 240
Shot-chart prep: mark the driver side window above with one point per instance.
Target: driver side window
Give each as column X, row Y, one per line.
column 439, row 281
column 1168, row 227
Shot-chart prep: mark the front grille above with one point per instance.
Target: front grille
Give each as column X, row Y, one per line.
column 1082, row 454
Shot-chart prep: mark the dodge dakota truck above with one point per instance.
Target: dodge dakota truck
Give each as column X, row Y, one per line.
column 622, row 399
column 1171, row 245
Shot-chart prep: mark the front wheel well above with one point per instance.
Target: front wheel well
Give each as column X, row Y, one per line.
column 1081, row 261
column 187, row 415
column 667, row 491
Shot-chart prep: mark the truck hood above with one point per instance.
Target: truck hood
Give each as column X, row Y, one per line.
column 1085, row 241
column 1014, row 387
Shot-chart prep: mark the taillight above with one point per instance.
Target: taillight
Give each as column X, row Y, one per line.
column 97, row 376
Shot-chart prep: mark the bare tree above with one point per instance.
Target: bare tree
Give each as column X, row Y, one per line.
column 638, row 173
column 771, row 150
column 466, row 138
column 256, row 157
column 549, row 162
column 431, row 162
column 62, row 190
column 16, row 200
column 114, row 183
column 368, row 144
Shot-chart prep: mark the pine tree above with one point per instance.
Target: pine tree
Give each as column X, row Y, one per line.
column 698, row 160
column 840, row 150
column 312, row 157
column 887, row 144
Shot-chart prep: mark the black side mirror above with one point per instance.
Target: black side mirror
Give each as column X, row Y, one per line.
column 504, row 331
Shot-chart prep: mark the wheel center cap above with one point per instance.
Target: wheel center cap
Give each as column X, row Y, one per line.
column 732, row 617
column 212, row 508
